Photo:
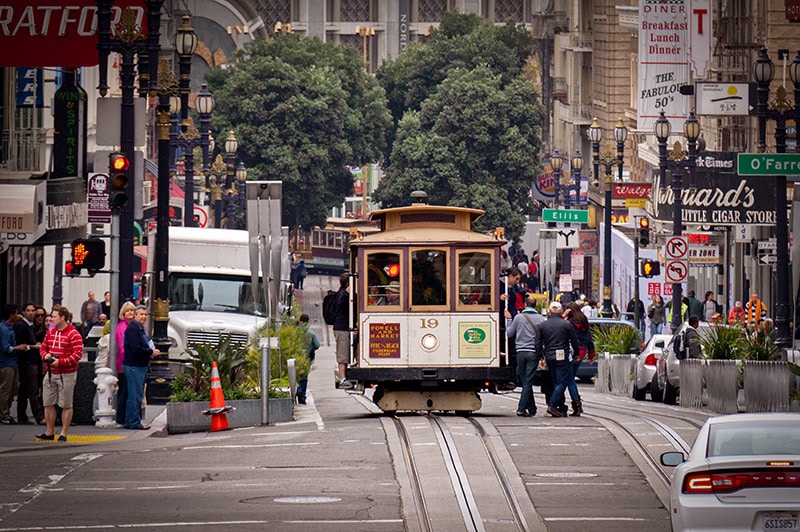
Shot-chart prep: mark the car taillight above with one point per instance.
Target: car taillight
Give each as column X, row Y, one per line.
column 727, row 482
column 651, row 360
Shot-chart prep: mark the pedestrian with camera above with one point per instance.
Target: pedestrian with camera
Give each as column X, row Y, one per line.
column 61, row 351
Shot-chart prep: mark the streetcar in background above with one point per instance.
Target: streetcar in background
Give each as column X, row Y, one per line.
column 425, row 297
column 329, row 245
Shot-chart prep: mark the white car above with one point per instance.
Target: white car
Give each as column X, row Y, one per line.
column 742, row 473
column 645, row 366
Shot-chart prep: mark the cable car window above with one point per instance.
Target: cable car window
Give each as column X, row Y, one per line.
column 475, row 278
column 383, row 279
column 429, row 277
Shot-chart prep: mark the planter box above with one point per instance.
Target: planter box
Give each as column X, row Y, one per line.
column 188, row 417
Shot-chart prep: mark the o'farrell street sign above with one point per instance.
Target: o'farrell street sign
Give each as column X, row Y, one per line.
column 565, row 215
column 769, row 163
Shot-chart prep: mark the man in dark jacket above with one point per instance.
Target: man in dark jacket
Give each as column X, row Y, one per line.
column 341, row 329
column 138, row 352
column 558, row 336
column 29, row 366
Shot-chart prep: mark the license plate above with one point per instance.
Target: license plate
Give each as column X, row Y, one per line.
column 781, row 521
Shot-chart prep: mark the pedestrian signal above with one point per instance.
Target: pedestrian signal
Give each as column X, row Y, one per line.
column 87, row 254
column 118, row 176
column 651, row 268
column 69, row 268
column 644, row 231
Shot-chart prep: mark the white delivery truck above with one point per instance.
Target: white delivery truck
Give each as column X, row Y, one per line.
column 210, row 288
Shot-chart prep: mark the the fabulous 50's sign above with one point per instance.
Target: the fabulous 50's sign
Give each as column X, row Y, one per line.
column 721, row 197
column 55, row 35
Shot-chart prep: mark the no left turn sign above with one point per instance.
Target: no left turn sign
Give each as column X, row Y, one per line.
column 676, row 271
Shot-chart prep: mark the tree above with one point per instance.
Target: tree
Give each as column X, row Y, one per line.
column 302, row 110
column 473, row 143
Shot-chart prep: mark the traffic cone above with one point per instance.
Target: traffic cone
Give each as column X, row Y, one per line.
column 218, row 410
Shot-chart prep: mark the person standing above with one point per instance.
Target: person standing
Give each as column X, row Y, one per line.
column 126, row 313
column 736, row 315
column 656, row 313
column 138, row 352
column 28, row 366
column 525, row 326
column 341, row 330
column 90, row 313
column 692, row 338
column 635, row 309
column 558, row 336
column 61, row 351
column 302, row 273
column 695, row 305
column 574, row 314
column 709, row 307
column 105, row 306
column 754, row 310
column 8, row 363
column 311, row 352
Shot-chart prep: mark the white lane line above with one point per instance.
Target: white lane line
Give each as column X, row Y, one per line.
column 253, row 446
column 594, row 519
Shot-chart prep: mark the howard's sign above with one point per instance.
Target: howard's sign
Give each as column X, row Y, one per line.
column 55, row 35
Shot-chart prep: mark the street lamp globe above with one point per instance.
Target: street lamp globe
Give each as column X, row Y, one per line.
column 763, row 69
column 205, row 101
column 241, row 173
column 174, row 104
column 662, row 127
column 211, row 143
column 185, row 38
column 620, row 132
column 231, row 144
column 794, row 69
column 691, row 128
column 556, row 162
column 595, row 131
column 577, row 161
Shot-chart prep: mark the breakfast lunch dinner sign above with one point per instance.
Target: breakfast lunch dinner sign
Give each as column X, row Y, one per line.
column 663, row 62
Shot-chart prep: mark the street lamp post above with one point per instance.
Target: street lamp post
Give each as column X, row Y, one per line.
column 608, row 160
column 231, row 145
column 185, row 45
column 365, row 31
column 779, row 110
column 205, row 106
column 620, row 135
column 241, row 183
column 556, row 163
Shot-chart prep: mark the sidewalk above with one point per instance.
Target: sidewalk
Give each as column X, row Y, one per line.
column 23, row 437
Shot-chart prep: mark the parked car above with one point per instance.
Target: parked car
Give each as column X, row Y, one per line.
column 645, row 366
column 587, row 370
column 667, row 379
column 741, row 474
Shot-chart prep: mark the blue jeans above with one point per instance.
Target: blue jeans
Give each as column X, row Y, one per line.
column 134, row 380
column 561, row 375
column 655, row 328
column 526, row 368
column 571, row 386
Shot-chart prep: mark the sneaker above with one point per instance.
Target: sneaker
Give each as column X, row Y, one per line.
column 45, row 437
column 62, row 438
column 523, row 413
column 345, row 384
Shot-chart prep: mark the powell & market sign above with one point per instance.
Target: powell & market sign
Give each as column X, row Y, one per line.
column 721, row 197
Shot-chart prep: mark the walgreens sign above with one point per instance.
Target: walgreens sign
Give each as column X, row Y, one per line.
column 55, row 35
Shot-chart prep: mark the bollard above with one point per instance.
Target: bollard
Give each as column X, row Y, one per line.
column 106, row 383
column 291, row 370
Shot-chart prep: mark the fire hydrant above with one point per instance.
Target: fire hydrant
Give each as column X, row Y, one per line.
column 106, row 383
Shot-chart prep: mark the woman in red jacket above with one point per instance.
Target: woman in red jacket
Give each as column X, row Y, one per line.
column 62, row 349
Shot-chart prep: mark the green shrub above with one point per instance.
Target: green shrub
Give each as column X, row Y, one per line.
column 722, row 343
column 758, row 345
column 616, row 339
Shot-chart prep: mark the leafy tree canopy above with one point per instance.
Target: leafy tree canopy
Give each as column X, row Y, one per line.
column 472, row 143
column 302, row 110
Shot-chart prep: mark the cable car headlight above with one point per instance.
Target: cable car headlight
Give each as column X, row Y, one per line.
column 429, row 342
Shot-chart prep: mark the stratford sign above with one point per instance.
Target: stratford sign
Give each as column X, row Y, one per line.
column 55, row 35
column 721, row 196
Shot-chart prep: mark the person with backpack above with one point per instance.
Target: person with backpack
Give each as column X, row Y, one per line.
column 688, row 342
column 341, row 329
column 525, row 327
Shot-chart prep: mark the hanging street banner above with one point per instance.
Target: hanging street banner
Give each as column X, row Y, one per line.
column 663, row 62
column 721, row 196
column 700, row 21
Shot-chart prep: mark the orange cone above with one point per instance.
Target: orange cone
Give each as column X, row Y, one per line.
column 218, row 410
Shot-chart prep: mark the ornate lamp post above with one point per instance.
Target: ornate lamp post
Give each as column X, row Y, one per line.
column 779, row 110
column 620, row 135
column 241, row 183
column 205, row 106
column 576, row 165
column 231, row 145
column 185, row 45
column 556, row 163
column 365, row 31
column 216, row 185
column 608, row 160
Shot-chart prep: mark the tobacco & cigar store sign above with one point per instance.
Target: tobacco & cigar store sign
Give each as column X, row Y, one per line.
column 721, row 197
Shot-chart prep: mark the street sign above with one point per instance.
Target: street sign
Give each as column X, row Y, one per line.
column 677, row 248
column 769, row 163
column 97, row 199
column 568, row 239
column 676, row 271
column 565, row 215
column 723, row 99
column 768, row 259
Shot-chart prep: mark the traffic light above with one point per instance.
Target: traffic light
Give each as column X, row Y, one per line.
column 118, row 177
column 650, row 268
column 87, row 254
column 644, row 231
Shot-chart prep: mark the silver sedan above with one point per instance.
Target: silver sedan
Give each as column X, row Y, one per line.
column 742, row 473
column 645, row 366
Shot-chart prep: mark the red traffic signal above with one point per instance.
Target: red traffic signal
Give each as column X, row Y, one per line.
column 69, row 268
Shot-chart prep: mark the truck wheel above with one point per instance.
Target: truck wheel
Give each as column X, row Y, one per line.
column 655, row 392
column 670, row 394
